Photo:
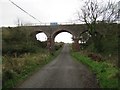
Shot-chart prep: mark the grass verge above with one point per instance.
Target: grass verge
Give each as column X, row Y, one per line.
column 16, row 70
column 106, row 73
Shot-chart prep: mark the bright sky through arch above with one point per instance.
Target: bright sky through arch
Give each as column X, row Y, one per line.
column 41, row 37
column 67, row 37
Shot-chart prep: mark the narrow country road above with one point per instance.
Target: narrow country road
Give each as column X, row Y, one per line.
column 63, row 72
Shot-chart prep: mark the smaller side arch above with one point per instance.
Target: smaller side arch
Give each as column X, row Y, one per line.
column 40, row 31
column 33, row 34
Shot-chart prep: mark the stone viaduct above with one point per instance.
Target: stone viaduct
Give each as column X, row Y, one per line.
column 52, row 31
column 75, row 30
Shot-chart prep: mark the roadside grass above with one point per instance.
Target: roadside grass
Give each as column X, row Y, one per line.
column 106, row 73
column 16, row 70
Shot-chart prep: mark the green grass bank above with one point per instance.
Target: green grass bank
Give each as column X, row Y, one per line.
column 106, row 73
column 16, row 70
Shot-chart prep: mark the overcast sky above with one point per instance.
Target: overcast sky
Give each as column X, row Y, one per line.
column 45, row 11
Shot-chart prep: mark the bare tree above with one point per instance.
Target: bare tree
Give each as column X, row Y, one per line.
column 91, row 12
column 110, row 12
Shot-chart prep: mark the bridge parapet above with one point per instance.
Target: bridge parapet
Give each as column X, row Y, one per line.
column 48, row 23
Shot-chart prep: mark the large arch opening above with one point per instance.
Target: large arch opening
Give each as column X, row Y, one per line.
column 63, row 36
column 60, row 38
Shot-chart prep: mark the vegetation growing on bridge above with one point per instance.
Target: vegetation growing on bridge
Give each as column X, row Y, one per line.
column 22, row 55
column 94, row 13
column 108, row 44
column 18, row 41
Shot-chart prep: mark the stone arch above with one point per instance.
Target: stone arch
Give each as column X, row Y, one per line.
column 50, row 44
column 85, row 35
column 40, row 31
column 51, row 38
column 33, row 33
column 84, row 32
column 60, row 31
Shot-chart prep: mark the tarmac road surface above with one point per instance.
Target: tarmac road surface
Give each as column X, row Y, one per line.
column 62, row 72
